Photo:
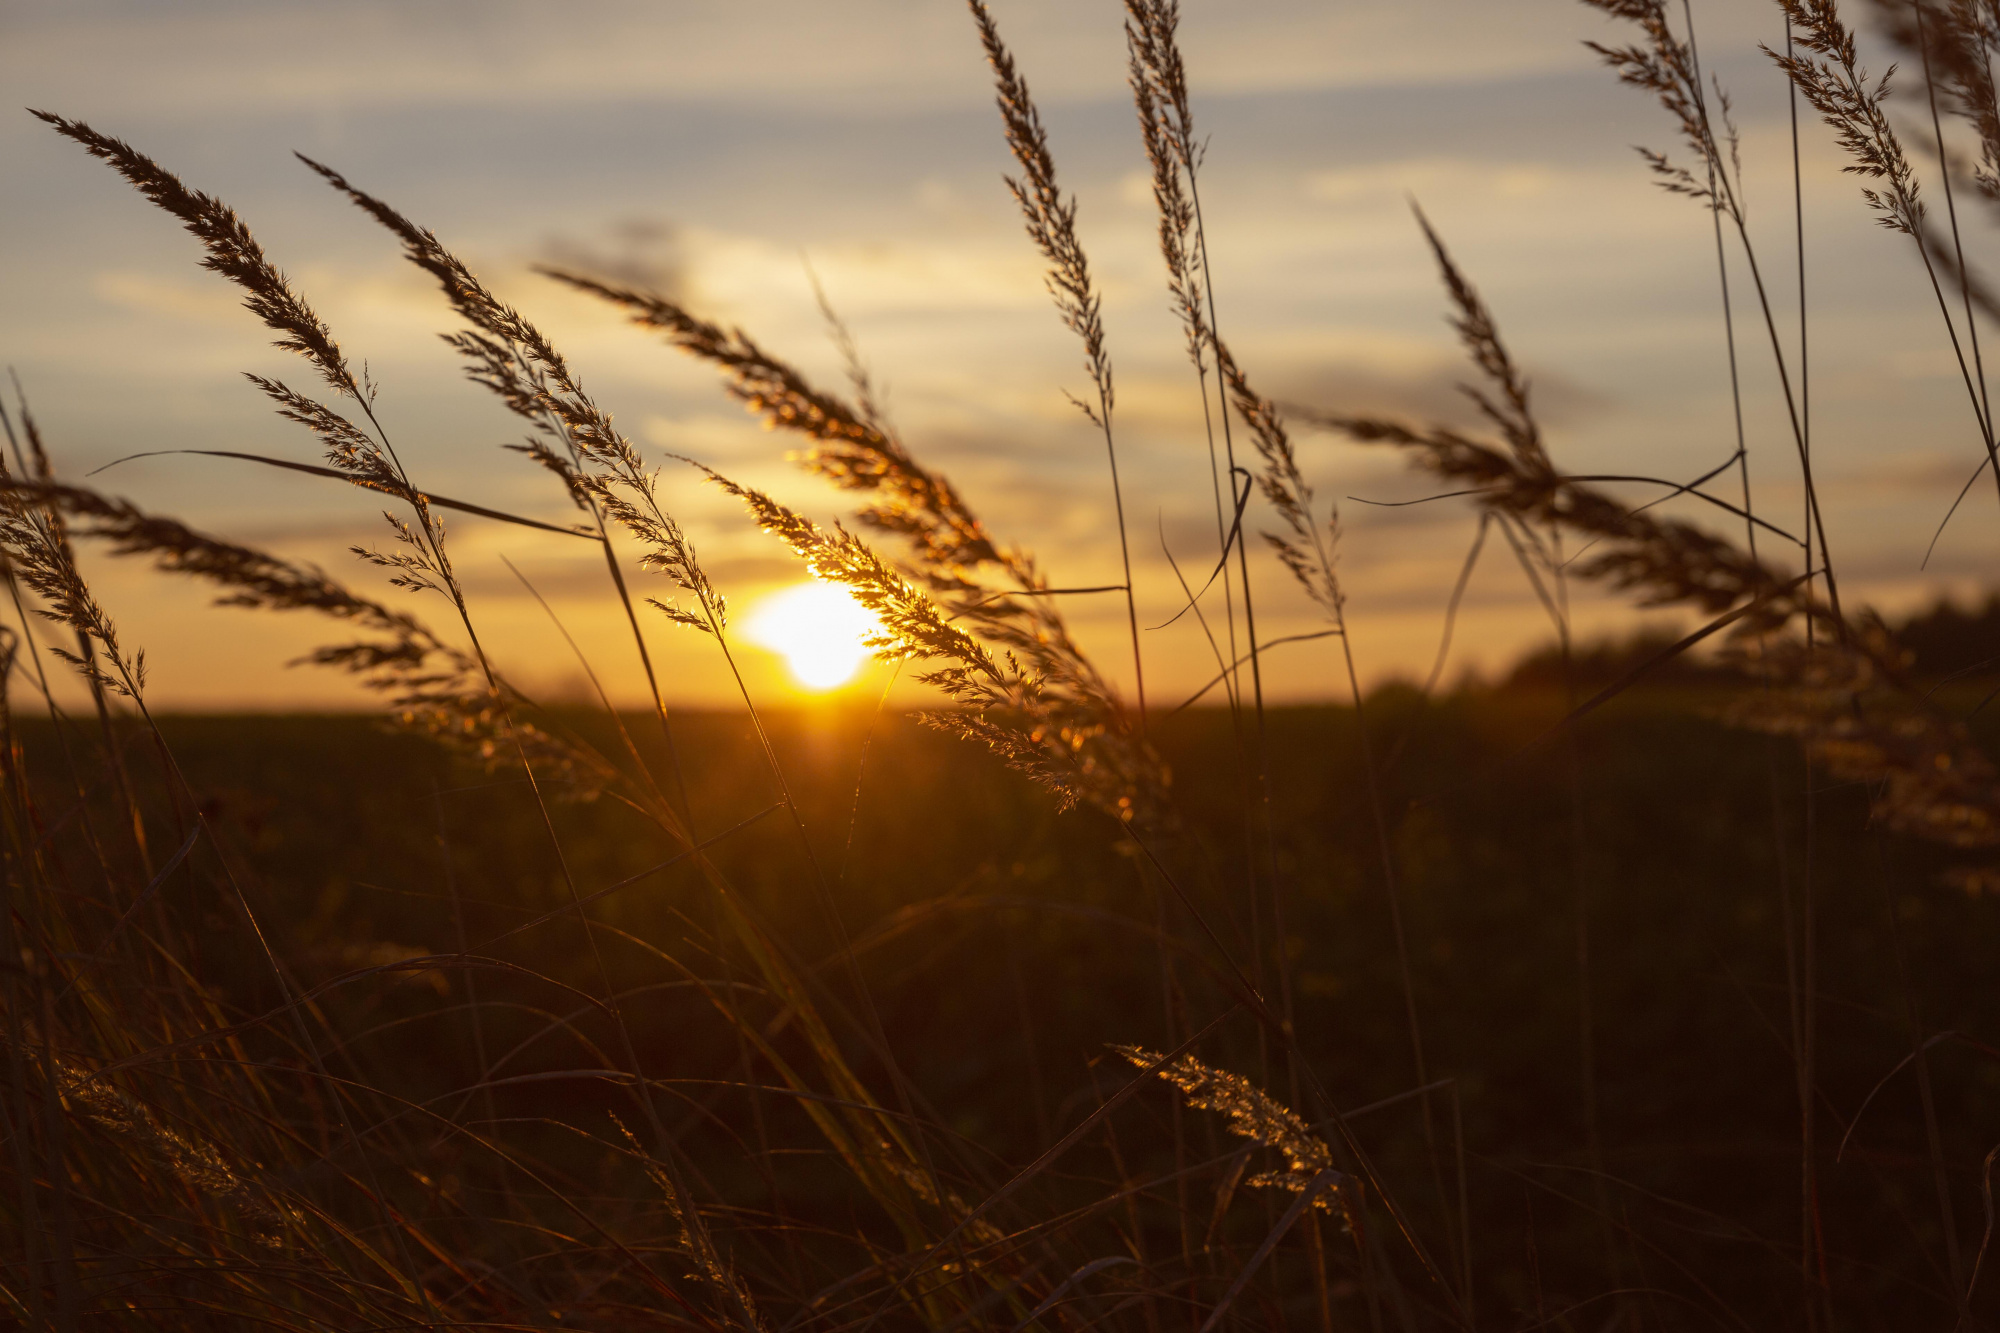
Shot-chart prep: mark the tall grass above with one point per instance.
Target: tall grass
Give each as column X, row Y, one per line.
column 704, row 1115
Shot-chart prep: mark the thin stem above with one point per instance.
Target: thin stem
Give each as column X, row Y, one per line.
column 686, row 811
column 832, row 913
column 1797, row 407
column 1981, row 403
column 1728, row 310
column 1262, row 750
column 1392, row 884
column 1124, row 554
column 1811, row 1240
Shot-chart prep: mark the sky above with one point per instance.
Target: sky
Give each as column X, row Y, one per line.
column 730, row 150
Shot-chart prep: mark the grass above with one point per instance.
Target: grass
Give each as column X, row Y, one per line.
column 1640, row 989
column 1005, row 1040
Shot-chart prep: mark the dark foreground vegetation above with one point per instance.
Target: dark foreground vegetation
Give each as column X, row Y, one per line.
column 1645, row 990
column 445, row 1028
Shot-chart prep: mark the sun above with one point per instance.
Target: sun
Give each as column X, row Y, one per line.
column 817, row 628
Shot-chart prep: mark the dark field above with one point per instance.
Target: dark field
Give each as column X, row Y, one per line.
column 1003, row 948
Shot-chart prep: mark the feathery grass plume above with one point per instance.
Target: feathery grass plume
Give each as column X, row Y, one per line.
column 1958, row 40
column 504, row 352
column 369, row 461
column 1664, row 64
column 1159, row 89
column 353, row 452
column 36, row 545
column 1050, row 218
column 1166, row 126
column 1071, row 707
column 1863, row 720
column 1664, row 560
column 1051, row 224
column 500, row 333
column 432, row 688
column 1668, row 66
column 1479, row 334
column 571, row 435
column 1158, row 78
column 1956, row 46
column 979, row 1229
column 868, row 396
column 232, row 251
column 911, row 624
column 1850, row 700
column 198, row 1164
column 1034, row 723
column 847, row 447
column 696, row 1242
column 43, row 533
column 1309, row 552
column 1832, row 80
column 1252, row 1114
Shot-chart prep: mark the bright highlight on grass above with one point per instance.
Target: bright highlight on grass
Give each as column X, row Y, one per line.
column 817, row 628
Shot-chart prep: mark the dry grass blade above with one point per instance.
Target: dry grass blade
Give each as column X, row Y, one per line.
column 428, row 497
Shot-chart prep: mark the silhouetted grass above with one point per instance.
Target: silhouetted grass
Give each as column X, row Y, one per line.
column 1645, row 987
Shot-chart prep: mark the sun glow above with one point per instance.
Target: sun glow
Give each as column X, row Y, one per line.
column 817, row 628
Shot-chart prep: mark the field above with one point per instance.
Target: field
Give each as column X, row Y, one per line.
column 1644, row 983
column 1005, row 950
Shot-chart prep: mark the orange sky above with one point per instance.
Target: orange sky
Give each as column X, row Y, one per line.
column 719, row 147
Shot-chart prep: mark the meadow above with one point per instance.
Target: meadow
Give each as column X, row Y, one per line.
column 1642, row 984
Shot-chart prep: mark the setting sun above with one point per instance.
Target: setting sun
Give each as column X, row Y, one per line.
column 817, row 628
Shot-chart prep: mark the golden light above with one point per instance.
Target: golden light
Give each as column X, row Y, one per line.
column 817, row 628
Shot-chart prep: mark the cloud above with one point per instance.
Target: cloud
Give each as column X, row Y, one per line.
column 202, row 301
column 213, row 55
